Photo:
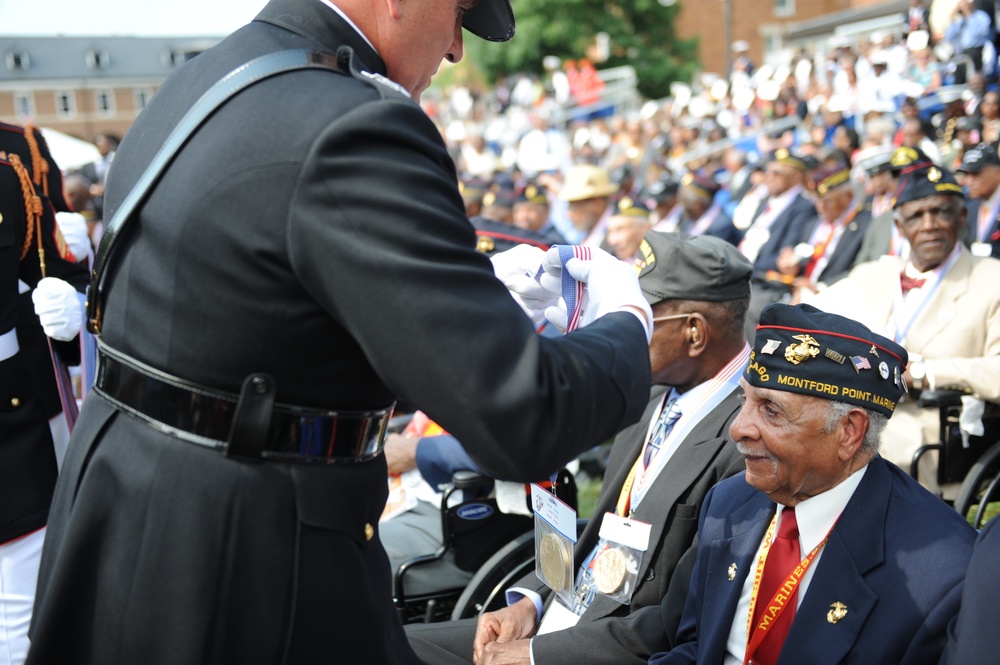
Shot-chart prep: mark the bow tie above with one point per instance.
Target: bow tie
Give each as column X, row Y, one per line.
column 908, row 282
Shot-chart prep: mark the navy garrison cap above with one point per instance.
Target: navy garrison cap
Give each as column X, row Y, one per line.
column 804, row 350
column 683, row 267
column 922, row 180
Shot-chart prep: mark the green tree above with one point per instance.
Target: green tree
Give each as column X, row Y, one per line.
column 641, row 35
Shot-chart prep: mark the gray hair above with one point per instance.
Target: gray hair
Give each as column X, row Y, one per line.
column 876, row 425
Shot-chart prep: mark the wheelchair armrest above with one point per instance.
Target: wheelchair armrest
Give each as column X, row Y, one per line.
column 938, row 398
column 465, row 479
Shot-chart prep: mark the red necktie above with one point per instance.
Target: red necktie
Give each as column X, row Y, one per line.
column 907, row 283
column 781, row 561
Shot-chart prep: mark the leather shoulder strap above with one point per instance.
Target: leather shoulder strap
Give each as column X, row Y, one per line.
column 239, row 79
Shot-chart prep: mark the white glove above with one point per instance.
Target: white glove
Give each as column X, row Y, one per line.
column 612, row 286
column 517, row 268
column 73, row 227
column 59, row 308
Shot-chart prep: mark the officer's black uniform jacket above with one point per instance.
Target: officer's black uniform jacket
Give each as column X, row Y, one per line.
column 311, row 229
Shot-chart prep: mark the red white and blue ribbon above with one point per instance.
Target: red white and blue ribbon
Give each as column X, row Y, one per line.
column 572, row 290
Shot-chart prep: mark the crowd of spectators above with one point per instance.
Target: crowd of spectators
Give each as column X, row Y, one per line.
column 838, row 102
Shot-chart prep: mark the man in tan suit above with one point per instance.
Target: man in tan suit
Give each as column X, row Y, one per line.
column 942, row 304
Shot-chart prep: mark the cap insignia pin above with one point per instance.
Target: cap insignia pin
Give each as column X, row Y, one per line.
column 933, row 174
column 771, row 346
column 883, row 370
column 873, row 351
column 732, row 571
column 485, row 244
column 834, row 356
column 837, row 612
column 806, row 348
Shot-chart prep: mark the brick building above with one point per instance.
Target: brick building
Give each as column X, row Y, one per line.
column 83, row 86
column 771, row 25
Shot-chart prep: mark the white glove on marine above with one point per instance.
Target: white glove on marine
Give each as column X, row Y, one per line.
column 59, row 308
column 517, row 268
column 73, row 227
column 612, row 286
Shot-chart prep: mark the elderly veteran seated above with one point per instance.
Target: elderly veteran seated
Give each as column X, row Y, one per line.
column 829, row 250
column 942, row 304
column 658, row 473
column 822, row 552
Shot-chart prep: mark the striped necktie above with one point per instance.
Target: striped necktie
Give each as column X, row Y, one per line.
column 668, row 416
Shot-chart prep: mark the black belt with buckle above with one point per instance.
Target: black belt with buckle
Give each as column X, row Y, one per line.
column 225, row 421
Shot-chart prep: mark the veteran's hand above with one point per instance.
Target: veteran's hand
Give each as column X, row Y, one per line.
column 401, row 452
column 517, row 652
column 514, row 622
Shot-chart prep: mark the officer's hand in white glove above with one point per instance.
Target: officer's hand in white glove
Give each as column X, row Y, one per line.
column 517, row 268
column 58, row 307
column 612, row 286
column 73, row 227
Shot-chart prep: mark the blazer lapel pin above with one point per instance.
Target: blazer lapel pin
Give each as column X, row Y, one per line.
column 837, row 612
column 732, row 571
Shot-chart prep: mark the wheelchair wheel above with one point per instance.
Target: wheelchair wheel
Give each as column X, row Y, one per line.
column 485, row 591
column 981, row 486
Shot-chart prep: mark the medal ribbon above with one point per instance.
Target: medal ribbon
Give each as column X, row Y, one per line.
column 788, row 589
column 572, row 290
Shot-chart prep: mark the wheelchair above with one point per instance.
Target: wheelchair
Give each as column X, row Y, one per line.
column 477, row 538
column 974, row 468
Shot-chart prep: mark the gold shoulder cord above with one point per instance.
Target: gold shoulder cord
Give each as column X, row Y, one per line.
column 32, row 211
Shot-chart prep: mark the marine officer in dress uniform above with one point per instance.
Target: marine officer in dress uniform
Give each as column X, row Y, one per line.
column 303, row 261
column 27, row 458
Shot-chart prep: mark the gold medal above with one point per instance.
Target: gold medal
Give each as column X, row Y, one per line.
column 554, row 561
column 610, row 567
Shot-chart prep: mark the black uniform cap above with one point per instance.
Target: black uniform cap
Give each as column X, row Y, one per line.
column 492, row 20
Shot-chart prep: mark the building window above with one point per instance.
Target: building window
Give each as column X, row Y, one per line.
column 141, row 97
column 24, row 105
column 97, row 59
column 104, row 102
column 784, row 7
column 17, row 61
column 65, row 104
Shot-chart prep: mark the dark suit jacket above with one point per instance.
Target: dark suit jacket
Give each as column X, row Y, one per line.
column 971, row 636
column 609, row 632
column 790, row 228
column 896, row 559
column 847, row 249
column 671, row 506
column 312, row 229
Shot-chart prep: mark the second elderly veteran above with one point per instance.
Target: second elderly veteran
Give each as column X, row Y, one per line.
column 822, row 552
column 941, row 303
column 698, row 288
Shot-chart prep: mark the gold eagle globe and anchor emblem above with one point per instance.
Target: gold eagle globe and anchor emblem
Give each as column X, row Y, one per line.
column 837, row 612
column 807, row 348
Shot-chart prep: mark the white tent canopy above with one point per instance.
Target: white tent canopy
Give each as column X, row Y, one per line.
column 68, row 152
